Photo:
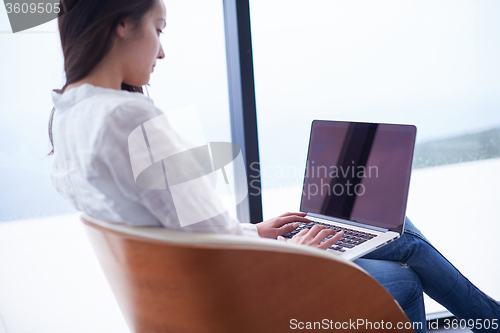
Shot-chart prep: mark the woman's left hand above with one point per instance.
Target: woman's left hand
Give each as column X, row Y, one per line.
column 280, row 225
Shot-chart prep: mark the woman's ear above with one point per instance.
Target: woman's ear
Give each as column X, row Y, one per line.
column 121, row 29
column 124, row 28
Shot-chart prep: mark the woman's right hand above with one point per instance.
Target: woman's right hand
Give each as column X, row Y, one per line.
column 314, row 236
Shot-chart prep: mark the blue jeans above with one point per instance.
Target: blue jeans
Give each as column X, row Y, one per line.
column 410, row 265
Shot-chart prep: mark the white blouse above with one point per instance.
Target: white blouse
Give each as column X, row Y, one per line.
column 92, row 167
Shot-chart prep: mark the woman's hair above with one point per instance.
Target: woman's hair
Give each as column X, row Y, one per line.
column 87, row 30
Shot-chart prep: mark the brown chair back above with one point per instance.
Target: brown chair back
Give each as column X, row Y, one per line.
column 168, row 286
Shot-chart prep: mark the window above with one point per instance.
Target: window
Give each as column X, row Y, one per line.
column 433, row 64
column 31, row 65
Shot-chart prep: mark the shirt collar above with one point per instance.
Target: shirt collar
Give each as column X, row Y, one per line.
column 70, row 98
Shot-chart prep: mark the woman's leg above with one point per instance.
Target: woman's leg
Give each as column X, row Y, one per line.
column 403, row 284
column 440, row 279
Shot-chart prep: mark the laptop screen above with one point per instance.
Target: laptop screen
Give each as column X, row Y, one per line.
column 359, row 172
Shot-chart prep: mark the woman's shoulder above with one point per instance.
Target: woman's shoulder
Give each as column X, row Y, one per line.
column 130, row 113
column 126, row 103
column 97, row 105
column 99, row 99
column 86, row 113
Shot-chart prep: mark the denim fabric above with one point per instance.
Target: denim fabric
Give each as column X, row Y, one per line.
column 402, row 283
column 439, row 279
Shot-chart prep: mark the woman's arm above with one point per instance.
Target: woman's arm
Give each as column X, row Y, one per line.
column 112, row 161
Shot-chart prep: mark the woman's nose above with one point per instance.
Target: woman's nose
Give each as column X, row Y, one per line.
column 161, row 54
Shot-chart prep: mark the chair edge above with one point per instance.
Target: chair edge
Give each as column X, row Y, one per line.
column 210, row 240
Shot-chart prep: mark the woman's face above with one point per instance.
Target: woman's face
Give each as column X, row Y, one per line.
column 144, row 47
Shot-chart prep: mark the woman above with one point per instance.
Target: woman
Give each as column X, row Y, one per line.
column 110, row 49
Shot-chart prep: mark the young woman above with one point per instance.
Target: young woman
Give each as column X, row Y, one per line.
column 110, row 49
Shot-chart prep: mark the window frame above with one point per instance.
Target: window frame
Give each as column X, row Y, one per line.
column 243, row 113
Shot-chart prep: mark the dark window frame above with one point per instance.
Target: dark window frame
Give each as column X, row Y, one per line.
column 242, row 107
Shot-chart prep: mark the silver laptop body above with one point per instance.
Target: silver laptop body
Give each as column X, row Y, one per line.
column 357, row 177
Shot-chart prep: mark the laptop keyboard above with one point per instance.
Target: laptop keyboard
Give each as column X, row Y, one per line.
column 350, row 239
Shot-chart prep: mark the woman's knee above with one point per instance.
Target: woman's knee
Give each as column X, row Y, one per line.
column 398, row 279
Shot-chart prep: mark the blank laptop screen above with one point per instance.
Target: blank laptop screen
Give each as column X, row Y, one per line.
column 359, row 172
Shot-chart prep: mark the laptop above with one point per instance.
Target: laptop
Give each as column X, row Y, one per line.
column 357, row 180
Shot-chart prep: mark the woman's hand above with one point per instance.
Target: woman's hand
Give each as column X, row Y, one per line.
column 314, row 236
column 276, row 227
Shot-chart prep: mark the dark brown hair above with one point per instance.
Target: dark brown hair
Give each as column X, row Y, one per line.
column 87, row 31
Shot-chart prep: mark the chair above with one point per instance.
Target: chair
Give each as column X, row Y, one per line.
column 171, row 281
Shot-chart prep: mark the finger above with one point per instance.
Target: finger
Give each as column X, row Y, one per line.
column 313, row 232
column 303, row 232
column 299, row 236
column 294, row 216
column 331, row 241
column 281, row 238
column 323, row 234
column 289, row 213
column 286, row 214
column 287, row 228
column 289, row 219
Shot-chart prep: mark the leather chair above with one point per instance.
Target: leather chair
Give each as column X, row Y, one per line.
column 171, row 281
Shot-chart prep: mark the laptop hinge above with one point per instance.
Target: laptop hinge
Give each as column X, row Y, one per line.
column 356, row 224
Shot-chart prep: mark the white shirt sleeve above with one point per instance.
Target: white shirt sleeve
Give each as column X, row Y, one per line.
column 250, row 229
column 111, row 156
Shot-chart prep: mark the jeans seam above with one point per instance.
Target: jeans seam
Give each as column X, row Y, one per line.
column 413, row 233
column 416, row 234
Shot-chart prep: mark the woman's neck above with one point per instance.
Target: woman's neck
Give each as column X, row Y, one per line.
column 104, row 75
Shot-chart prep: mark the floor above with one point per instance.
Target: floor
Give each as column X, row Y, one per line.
column 50, row 281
